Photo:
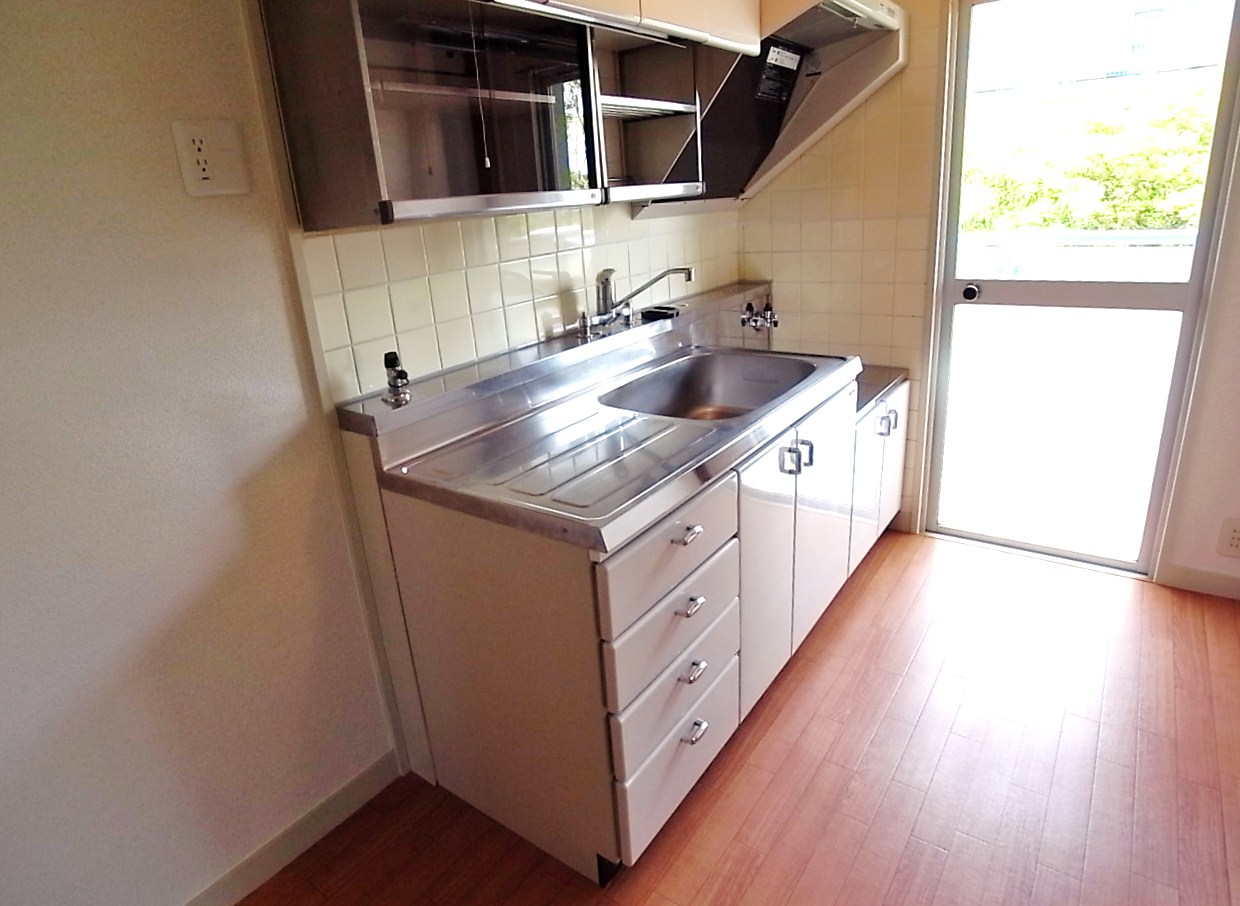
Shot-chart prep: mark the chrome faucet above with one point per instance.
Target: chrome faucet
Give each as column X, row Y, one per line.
column 608, row 310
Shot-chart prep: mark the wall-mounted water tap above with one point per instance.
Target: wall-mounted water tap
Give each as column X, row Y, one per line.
column 751, row 318
column 397, row 381
column 608, row 310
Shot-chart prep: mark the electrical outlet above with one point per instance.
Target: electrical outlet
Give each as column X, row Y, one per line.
column 1229, row 538
column 211, row 157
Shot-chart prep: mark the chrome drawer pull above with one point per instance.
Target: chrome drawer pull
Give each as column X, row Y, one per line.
column 690, row 535
column 883, row 426
column 699, row 730
column 695, row 604
column 695, row 674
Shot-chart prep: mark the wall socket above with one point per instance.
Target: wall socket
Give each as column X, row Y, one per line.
column 211, row 157
column 1229, row 538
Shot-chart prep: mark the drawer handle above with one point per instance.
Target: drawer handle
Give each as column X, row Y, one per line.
column 695, row 674
column 690, row 535
column 699, row 730
column 695, row 604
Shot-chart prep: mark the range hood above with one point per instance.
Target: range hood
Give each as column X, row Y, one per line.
column 816, row 67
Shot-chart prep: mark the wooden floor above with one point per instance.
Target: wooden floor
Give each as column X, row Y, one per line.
column 965, row 726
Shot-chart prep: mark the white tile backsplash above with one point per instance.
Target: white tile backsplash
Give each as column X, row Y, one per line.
column 490, row 333
column 369, row 312
column 320, row 256
column 360, row 258
column 456, row 342
column 479, row 240
column 445, row 250
column 513, row 236
column 411, row 304
column 449, row 296
column 483, row 284
column 494, row 283
column 329, row 315
column 404, row 251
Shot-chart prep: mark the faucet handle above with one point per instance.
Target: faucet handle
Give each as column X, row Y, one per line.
column 605, row 274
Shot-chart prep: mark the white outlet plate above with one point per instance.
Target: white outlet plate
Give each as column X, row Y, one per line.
column 211, row 156
column 1229, row 538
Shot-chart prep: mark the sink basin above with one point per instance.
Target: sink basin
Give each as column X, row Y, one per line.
column 710, row 385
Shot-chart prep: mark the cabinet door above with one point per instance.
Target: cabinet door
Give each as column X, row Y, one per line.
column 735, row 25
column 687, row 18
column 893, row 455
column 824, row 509
column 867, row 483
column 767, row 521
column 614, row 10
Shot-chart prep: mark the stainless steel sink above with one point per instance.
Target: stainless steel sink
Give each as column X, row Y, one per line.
column 711, row 385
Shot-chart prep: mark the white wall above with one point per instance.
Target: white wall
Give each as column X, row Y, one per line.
column 184, row 669
column 1207, row 486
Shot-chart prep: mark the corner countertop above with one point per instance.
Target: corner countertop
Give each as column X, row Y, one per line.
column 874, row 381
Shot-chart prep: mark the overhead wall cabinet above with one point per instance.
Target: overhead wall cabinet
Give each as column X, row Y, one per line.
column 408, row 109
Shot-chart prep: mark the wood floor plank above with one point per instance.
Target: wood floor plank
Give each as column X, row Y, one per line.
column 705, row 844
column 1225, row 703
column 921, row 756
column 1050, row 888
column 1108, row 848
column 783, row 795
column 1117, row 735
column 1039, row 747
column 1155, row 810
column 823, row 878
column 1189, row 643
column 785, row 862
column 1222, row 636
column 1202, row 852
column 982, row 814
column 963, row 879
column 949, row 789
column 858, row 730
column 1230, row 803
column 1144, row 892
column 731, row 878
column 1014, row 865
column 1066, row 827
column 1196, row 753
column 875, row 866
column 875, row 770
column 917, row 875
column 1156, row 706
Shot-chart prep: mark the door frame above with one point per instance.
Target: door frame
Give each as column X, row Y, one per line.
column 1221, row 181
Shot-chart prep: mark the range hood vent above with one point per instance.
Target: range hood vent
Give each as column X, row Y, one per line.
column 811, row 73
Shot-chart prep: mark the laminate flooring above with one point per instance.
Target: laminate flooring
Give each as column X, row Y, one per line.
column 964, row 726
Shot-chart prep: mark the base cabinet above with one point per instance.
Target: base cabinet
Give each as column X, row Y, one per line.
column 878, row 477
column 795, row 510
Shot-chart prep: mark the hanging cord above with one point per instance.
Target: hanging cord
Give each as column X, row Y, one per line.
column 473, row 40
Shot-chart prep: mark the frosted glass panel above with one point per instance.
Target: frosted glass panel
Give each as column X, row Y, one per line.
column 1086, row 145
column 1053, row 423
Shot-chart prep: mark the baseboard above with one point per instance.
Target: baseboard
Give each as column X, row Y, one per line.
column 295, row 839
column 1200, row 580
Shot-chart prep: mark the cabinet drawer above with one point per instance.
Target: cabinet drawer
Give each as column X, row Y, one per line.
column 668, row 628
column 651, row 564
column 636, row 732
column 647, row 800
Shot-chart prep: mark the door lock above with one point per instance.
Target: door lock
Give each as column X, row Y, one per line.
column 971, row 292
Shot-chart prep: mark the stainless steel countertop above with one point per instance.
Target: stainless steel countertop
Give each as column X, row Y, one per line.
column 534, row 447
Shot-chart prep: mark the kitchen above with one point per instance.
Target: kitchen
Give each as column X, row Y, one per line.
column 183, row 617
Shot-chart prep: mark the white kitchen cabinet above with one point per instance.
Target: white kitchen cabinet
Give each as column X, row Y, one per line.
column 618, row 11
column 730, row 24
column 824, row 510
column 878, row 476
column 574, row 701
column 795, row 510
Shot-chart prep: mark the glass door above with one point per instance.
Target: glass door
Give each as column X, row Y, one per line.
column 1084, row 180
